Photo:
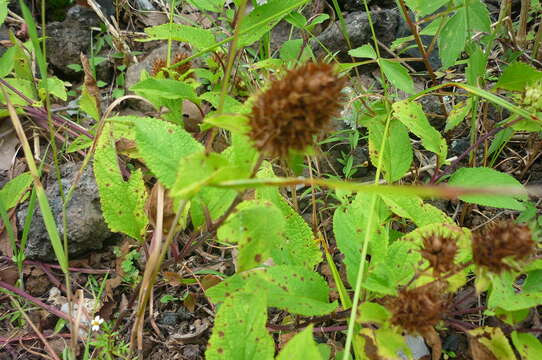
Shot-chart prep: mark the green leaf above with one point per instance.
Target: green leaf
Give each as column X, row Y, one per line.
column 7, row 61
column 453, row 38
column 395, row 269
column 200, row 169
column 12, row 192
column 296, row 19
column 162, row 145
column 3, row 10
column 299, row 247
column 301, row 346
column 166, row 89
column 88, row 104
column 290, row 50
column 209, row 5
column 413, row 208
column 507, row 295
column 231, row 105
column 23, row 86
column 239, row 330
column 528, row 346
column 458, row 114
column 517, row 76
column 482, row 177
column 57, row 88
column 350, row 222
column 371, row 312
column 397, row 75
column 257, row 227
column 412, row 116
column 122, row 201
column 365, row 51
column 195, row 36
column 397, row 156
column 478, row 15
column 212, row 201
column 424, row 7
column 263, row 18
column 494, row 341
column 292, row 288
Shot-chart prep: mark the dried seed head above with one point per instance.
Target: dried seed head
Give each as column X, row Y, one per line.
column 499, row 241
column 440, row 248
column 418, row 309
column 177, row 71
column 295, row 108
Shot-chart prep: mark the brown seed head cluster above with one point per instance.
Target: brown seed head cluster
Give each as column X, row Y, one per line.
column 178, row 71
column 295, row 108
column 419, row 309
column 500, row 240
column 440, row 250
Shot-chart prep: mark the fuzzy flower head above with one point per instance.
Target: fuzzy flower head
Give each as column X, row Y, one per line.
column 533, row 97
column 440, row 249
column 416, row 310
column 296, row 108
column 501, row 243
column 95, row 324
column 177, row 72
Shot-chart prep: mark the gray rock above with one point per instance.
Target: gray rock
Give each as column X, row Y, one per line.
column 86, row 230
column 66, row 40
column 385, row 22
column 357, row 5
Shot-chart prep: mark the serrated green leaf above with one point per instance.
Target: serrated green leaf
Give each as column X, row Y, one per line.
column 200, row 169
column 165, row 88
column 494, row 340
column 301, row 346
column 507, row 295
column 231, row 105
column 56, row 87
column 239, row 330
column 257, row 228
column 195, row 36
column 23, row 86
column 365, row 51
column 122, row 201
column 349, row 226
column 290, row 51
column 397, row 268
column 292, row 288
column 397, row 156
column 482, row 177
column 12, row 192
column 214, row 201
column 263, row 18
column 413, row 208
column 299, row 247
column 162, row 145
column 412, row 116
column 452, row 39
column 517, row 76
column 397, row 75
column 528, row 346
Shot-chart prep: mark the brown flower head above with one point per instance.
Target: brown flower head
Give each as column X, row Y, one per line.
column 419, row 309
column 177, row 71
column 440, row 248
column 499, row 241
column 295, row 108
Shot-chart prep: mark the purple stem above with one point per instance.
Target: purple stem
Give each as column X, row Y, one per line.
column 34, row 300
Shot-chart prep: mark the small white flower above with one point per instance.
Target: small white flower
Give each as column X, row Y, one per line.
column 96, row 323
